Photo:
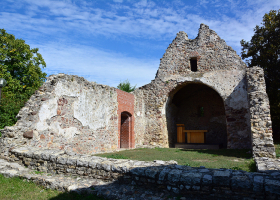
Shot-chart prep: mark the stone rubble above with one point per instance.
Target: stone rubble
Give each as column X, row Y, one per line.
column 267, row 164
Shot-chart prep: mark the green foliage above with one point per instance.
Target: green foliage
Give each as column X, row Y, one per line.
column 20, row 66
column 125, row 86
column 264, row 50
column 236, row 168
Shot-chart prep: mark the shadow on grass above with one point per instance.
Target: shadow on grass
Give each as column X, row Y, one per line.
column 75, row 196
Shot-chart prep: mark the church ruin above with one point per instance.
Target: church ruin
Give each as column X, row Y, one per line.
column 201, row 84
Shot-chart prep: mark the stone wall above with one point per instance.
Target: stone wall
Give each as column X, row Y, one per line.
column 157, row 175
column 140, row 118
column 69, row 113
column 261, row 125
column 218, row 67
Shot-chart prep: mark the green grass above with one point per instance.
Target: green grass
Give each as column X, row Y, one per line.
column 15, row 188
column 116, row 156
column 277, row 149
column 237, row 159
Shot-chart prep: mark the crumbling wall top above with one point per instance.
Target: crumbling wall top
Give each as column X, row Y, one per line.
column 207, row 50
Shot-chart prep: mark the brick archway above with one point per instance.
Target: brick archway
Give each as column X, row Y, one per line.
column 125, row 120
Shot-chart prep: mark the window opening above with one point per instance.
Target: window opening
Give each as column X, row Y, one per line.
column 201, row 112
column 194, row 64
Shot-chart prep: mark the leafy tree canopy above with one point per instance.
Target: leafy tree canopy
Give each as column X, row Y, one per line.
column 21, row 67
column 264, row 50
column 126, row 86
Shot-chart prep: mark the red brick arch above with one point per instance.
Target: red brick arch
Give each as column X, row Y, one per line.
column 125, row 120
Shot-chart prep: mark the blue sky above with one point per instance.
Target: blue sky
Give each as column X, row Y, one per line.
column 108, row 41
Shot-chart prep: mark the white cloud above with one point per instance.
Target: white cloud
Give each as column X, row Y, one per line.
column 95, row 65
column 232, row 20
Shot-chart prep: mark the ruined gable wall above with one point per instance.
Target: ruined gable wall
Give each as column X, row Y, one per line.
column 68, row 113
column 219, row 67
column 211, row 51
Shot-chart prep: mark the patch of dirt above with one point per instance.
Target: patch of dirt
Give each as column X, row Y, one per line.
column 238, row 160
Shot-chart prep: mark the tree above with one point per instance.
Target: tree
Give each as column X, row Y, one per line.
column 21, row 67
column 264, row 50
column 125, row 86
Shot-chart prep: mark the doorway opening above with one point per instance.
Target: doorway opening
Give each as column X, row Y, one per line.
column 125, row 132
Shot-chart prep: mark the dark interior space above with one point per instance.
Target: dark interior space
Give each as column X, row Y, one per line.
column 198, row 107
column 125, row 130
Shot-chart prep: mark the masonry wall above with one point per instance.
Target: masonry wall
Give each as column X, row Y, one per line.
column 67, row 113
column 261, row 125
column 218, row 67
column 72, row 114
column 140, row 118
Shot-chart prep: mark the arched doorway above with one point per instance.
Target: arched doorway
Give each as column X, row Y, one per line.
column 125, row 132
column 198, row 107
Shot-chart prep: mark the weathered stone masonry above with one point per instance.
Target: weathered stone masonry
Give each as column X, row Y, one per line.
column 70, row 113
column 219, row 69
column 201, row 83
column 261, row 125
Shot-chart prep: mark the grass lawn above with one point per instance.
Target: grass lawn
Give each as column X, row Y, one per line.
column 15, row 188
column 221, row 158
column 277, row 149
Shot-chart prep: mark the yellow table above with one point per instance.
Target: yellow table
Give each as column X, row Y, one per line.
column 193, row 136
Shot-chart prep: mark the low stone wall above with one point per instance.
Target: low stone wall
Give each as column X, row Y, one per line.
column 181, row 180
